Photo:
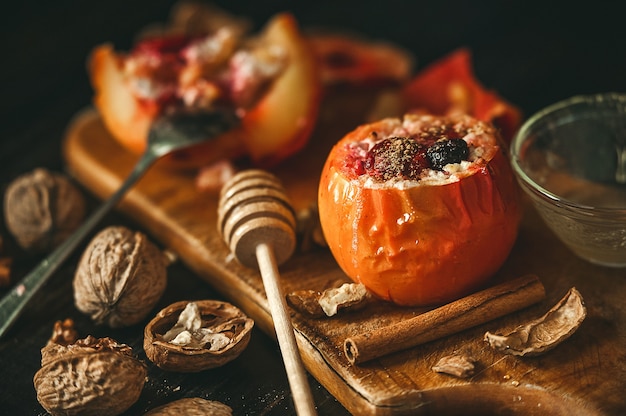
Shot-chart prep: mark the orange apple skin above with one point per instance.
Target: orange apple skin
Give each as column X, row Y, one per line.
column 276, row 127
column 423, row 245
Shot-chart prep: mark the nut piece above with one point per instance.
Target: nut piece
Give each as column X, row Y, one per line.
column 458, row 365
column 306, row 302
column 545, row 333
column 42, row 209
column 192, row 407
column 349, row 296
column 91, row 376
column 195, row 336
column 63, row 332
column 120, row 277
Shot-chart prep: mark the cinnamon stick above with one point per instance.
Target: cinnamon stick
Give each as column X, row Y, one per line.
column 465, row 313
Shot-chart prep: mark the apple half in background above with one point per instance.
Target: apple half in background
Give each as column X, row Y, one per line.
column 276, row 126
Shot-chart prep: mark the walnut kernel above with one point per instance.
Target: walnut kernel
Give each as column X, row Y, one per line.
column 63, row 332
column 120, row 277
column 348, row 296
column 42, row 209
column 352, row 296
column 195, row 336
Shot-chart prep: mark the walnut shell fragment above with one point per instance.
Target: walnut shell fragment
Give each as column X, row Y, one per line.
column 195, row 336
column 546, row 332
column 90, row 376
column 458, row 365
column 120, row 277
column 42, row 209
column 306, row 302
column 192, row 407
column 349, row 296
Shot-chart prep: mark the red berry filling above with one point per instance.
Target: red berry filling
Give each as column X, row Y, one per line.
column 400, row 157
column 199, row 71
column 161, row 46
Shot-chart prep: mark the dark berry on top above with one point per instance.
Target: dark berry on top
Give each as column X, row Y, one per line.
column 447, row 151
column 396, row 157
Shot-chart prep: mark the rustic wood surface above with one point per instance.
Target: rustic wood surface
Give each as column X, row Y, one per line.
column 585, row 374
column 534, row 53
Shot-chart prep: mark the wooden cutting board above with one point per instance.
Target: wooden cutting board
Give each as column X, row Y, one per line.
column 585, row 375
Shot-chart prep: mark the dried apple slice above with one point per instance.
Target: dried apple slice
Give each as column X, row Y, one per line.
column 544, row 333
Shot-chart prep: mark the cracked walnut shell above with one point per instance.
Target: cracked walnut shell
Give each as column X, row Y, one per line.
column 196, row 336
column 120, row 277
column 42, row 209
column 194, row 406
column 90, row 376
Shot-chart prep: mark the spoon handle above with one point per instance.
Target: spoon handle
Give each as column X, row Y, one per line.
column 14, row 302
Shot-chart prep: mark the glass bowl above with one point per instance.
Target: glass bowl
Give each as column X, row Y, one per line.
column 570, row 158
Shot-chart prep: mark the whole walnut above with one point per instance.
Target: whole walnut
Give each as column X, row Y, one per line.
column 90, row 376
column 193, row 406
column 42, row 209
column 120, row 277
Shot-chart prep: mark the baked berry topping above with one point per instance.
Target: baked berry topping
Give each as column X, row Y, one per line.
column 425, row 148
column 446, row 151
column 396, row 157
column 200, row 71
column 159, row 46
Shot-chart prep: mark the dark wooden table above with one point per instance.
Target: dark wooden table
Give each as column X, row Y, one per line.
column 533, row 53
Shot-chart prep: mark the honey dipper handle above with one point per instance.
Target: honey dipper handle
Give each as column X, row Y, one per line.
column 303, row 400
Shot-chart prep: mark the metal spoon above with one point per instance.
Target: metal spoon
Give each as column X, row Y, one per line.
column 169, row 133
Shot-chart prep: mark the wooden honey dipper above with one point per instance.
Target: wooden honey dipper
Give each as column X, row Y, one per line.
column 257, row 222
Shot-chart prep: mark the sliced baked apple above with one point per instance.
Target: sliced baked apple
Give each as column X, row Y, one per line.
column 282, row 121
column 127, row 116
column 269, row 81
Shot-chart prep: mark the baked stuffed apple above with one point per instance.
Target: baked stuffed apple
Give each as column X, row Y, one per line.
column 422, row 210
column 270, row 81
